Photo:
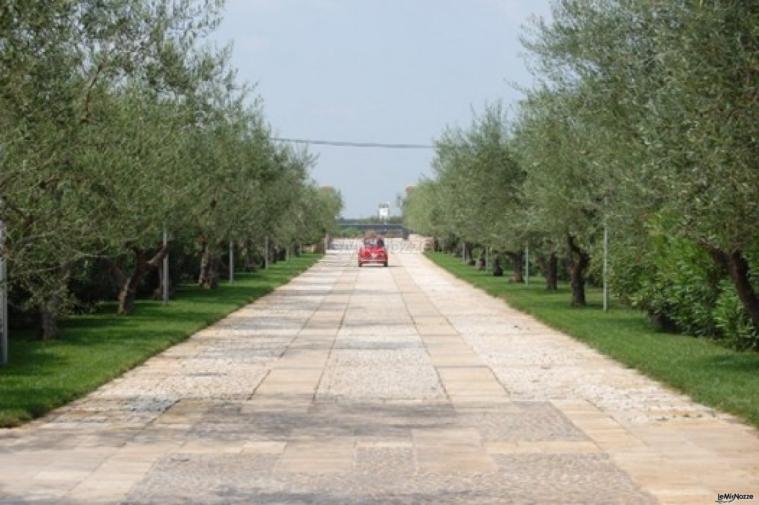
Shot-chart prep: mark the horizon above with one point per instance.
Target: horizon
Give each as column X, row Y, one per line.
column 405, row 89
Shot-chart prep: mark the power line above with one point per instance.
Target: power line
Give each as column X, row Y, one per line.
column 340, row 143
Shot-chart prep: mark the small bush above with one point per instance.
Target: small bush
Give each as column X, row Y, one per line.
column 679, row 288
column 731, row 320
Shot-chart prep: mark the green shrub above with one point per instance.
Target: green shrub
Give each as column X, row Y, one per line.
column 731, row 320
column 679, row 291
column 681, row 288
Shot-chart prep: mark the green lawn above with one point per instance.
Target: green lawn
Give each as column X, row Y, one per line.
column 98, row 347
column 709, row 373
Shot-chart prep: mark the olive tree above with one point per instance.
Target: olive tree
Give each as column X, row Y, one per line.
column 479, row 183
column 670, row 105
column 62, row 64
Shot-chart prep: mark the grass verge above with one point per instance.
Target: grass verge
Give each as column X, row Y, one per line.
column 706, row 371
column 98, row 347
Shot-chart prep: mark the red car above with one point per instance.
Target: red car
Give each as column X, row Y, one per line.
column 373, row 251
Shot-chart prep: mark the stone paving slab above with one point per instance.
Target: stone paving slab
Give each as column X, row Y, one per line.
column 397, row 385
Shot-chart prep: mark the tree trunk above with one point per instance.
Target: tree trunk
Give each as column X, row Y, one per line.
column 517, row 266
column 550, row 268
column 552, row 282
column 158, row 291
column 130, row 284
column 249, row 256
column 481, row 262
column 49, row 312
column 497, row 268
column 224, row 265
column 468, row 254
column 209, row 268
column 48, row 323
column 52, row 306
column 128, row 291
column 739, row 271
column 274, row 256
column 578, row 264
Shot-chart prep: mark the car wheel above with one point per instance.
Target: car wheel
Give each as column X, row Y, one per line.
column 360, row 264
column 385, row 263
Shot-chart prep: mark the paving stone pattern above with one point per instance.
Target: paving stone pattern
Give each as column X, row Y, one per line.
column 399, row 385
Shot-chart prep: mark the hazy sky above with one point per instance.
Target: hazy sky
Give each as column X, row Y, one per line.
column 391, row 71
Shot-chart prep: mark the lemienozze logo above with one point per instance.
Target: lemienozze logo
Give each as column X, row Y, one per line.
column 731, row 497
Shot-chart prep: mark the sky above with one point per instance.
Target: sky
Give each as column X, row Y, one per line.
column 387, row 71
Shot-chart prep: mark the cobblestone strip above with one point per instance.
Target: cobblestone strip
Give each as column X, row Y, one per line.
column 378, row 355
column 296, row 376
column 94, row 449
column 465, row 377
column 678, row 450
column 348, row 282
column 332, row 390
column 224, row 346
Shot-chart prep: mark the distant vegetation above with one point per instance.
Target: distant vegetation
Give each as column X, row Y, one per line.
column 643, row 122
column 344, row 231
column 376, row 220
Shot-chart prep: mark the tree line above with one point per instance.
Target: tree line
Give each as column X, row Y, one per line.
column 642, row 121
column 119, row 122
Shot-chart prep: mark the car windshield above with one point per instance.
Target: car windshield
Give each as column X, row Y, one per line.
column 373, row 242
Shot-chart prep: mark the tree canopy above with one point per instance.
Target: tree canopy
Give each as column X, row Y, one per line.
column 118, row 123
column 642, row 120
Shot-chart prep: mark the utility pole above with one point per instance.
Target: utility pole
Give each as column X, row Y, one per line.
column 3, row 299
column 266, row 252
column 165, row 269
column 527, row 265
column 231, row 261
column 606, row 255
column 606, row 267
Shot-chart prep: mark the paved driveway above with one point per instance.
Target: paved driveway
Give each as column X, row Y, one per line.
column 397, row 385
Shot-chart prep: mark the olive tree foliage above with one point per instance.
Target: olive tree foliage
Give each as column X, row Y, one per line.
column 565, row 191
column 670, row 98
column 228, row 180
column 312, row 214
column 576, row 131
column 708, row 160
column 62, row 65
column 250, row 189
column 642, row 121
column 287, row 197
column 315, row 214
column 40, row 115
column 479, row 184
column 115, row 125
column 424, row 209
